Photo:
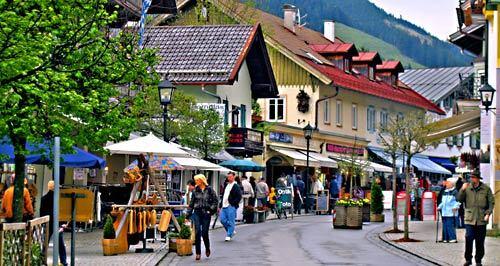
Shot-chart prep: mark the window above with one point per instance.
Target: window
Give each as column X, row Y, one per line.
column 354, row 118
column 363, row 70
column 460, row 140
column 449, row 141
column 338, row 62
column 347, row 65
column 339, row 113
column 326, row 112
column 370, row 119
column 384, row 118
column 475, row 140
column 243, row 115
column 276, row 110
column 371, row 73
column 455, row 140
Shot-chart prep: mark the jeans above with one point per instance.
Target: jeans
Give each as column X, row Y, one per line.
column 449, row 231
column 201, row 226
column 474, row 233
column 228, row 219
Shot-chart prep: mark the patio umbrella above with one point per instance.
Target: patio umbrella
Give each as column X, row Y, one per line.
column 146, row 145
column 158, row 163
column 242, row 166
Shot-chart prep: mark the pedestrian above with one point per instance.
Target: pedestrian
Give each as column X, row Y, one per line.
column 479, row 203
column 254, row 187
column 301, row 187
column 272, row 199
column 316, row 185
column 449, row 210
column 143, row 165
column 203, row 205
column 8, row 201
column 47, row 208
column 297, row 200
column 262, row 192
column 190, row 186
column 230, row 202
column 248, row 192
column 460, row 223
column 441, row 192
column 334, row 192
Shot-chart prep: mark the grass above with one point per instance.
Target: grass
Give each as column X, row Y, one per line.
column 363, row 40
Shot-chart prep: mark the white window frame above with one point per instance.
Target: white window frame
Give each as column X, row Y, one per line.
column 371, row 119
column 276, row 109
column 384, row 118
column 326, row 112
column 338, row 113
column 354, row 116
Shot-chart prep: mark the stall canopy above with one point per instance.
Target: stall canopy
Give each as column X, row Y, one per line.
column 444, row 162
column 192, row 163
column 323, row 160
column 147, row 144
column 158, row 163
column 423, row 163
column 380, row 168
column 298, row 158
column 41, row 154
column 242, row 166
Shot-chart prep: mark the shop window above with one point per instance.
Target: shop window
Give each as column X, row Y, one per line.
column 354, row 118
column 276, row 110
column 370, row 119
column 326, row 112
column 338, row 113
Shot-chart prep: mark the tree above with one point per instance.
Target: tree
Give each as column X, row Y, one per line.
column 352, row 167
column 63, row 73
column 377, row 199
column 413, row 131
column 389, row 136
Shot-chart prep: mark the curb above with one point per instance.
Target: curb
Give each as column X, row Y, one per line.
column 405, row 250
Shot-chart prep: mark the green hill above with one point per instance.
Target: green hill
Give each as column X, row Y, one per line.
column 367, row 42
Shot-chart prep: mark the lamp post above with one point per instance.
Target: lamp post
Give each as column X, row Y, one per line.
column 487, row 92
column 308, row 131
column 165, row 91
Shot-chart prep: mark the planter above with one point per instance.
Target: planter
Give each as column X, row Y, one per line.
column 172, row 244
column 340, row 217
column 261, row 216
column 248, row 218
column 377, row 218
column 366, row 213
column 184, row 247
column 109, row 247
column 354, row 217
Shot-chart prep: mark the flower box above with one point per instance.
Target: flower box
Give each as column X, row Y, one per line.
column 366, row 213
column 340, row 217
column 354, row 217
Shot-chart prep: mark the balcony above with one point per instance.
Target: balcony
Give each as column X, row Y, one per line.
column 245, row 142
column 471, row 12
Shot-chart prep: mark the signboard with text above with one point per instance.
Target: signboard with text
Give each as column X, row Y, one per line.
column 280, row 137
column 344, row 149
column 285, row 196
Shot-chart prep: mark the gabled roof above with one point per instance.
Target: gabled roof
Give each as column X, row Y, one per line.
column 436, row 83
column 335, row 48
column 393, row 66
column 367, row 57
column 401, row 94
column 212, row 54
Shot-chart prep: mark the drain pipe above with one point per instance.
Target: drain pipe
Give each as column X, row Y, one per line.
column 219, row 99
column 317, row 106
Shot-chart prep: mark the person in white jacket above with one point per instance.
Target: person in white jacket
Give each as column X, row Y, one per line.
column 247, row 190
column 449, row 210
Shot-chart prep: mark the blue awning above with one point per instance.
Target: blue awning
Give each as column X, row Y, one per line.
column 421, row 162
column 444, row 162
column 40, row 154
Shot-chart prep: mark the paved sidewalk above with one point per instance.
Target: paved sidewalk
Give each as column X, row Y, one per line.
column 441, row 253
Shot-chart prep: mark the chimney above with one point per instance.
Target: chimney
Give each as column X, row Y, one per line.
column 329, row 30
column 290, row 17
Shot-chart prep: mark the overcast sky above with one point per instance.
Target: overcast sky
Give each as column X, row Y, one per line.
column 436, row 16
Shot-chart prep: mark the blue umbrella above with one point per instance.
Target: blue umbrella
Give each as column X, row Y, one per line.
column 40, row 154
column 242, row 166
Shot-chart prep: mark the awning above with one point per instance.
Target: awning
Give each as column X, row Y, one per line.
column 454, row 125
column 223, row 156
column 323, row 160
column 366, row 164
column 423, row 163
column 298, row 158
column 380, row 168
column 147, row 144
column 444, row 162
column 192, row 163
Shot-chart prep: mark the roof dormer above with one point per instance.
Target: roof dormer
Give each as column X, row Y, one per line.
column 366, row 62
column 389, row 71
column 340, row 54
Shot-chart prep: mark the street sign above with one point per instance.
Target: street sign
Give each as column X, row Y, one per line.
column 285, row 196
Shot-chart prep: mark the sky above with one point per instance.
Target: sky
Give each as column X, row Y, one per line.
column 436, row 16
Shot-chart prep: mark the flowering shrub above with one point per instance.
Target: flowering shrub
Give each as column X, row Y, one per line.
column 350, row 203
column 366, row 201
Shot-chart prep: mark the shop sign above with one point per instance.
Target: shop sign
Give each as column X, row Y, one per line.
column 344, row 149
column 280, row 137
column 285, row 196
column 78, row 174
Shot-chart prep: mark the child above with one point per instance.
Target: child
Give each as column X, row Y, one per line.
column 272, row 199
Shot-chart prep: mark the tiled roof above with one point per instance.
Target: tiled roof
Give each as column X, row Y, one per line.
column 199, row 53
column 360, row 83
column 391, row 65
column 436, row 83
column 334, row 48
column 367, row 57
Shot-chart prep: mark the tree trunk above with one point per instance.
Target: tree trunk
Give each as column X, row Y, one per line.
column 408, row 187
column 394, row 198
column 19, row 144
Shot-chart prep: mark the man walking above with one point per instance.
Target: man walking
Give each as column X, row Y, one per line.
column 479, row 202
column 248, row 192
column 262, row 191
column 230, row 202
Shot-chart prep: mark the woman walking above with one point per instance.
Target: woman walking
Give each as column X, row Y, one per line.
column 203, row 205
column 449, row 210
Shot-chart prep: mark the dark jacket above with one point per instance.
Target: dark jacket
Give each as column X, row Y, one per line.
column 203, row 201
column 301, row 186
column 478, row 202
column 234, row 196
column 47, row 207
column 334, row 189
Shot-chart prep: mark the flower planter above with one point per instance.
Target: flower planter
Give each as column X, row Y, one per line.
column 354, row 217
column 172, row 244
column 340, row 217
column 261, row 216
column 109, row 247
column 184, row 247
column 366, row 213
column 377, row 218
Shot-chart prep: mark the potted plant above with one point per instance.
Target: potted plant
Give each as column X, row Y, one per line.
column 355, row 214
column 172, row 241
column 249, row 214
column 366, row 210
column 377, row 204
column 109, row 244
column 184, row 243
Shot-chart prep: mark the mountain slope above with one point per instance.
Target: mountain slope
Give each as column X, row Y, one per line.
column 412, row 41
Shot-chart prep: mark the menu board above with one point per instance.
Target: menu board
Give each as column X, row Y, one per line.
column 322, row 201
column 285, row 196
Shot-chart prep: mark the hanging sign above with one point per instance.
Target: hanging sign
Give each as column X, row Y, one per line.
column 78, row 174
column 285, row 196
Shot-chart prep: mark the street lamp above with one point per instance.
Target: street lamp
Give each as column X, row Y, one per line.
column 165, row 91
column 487, row 92
column 308, row 131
